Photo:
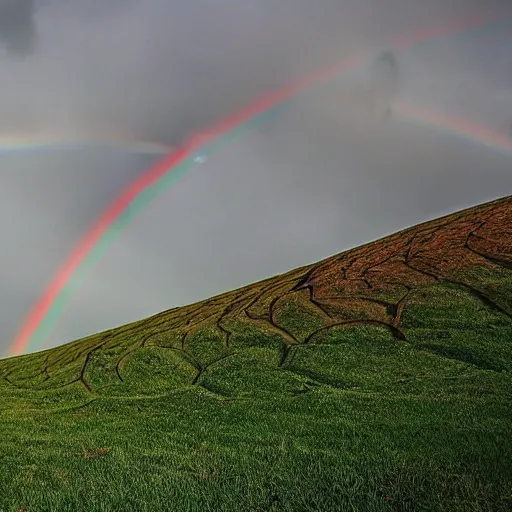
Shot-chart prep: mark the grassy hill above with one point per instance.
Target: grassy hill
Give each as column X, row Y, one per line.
column 377, row 379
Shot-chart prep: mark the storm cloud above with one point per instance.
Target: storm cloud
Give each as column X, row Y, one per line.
column 17, row 27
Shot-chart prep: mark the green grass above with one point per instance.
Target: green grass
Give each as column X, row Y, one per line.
column 243, row 414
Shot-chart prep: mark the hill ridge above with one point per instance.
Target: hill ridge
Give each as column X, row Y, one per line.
column 378, row 377
column 370, row 285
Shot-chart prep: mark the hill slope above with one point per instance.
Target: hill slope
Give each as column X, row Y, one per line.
column 379, row 378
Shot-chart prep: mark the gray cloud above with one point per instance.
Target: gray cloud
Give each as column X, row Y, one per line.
column 17, row 28
column 323, row 176
column 169, row 68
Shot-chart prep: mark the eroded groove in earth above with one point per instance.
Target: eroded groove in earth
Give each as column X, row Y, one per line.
column 371, row 286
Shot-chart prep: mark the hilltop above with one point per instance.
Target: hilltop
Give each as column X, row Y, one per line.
column 378, row 378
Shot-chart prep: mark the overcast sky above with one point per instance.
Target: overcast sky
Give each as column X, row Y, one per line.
column 323, row 176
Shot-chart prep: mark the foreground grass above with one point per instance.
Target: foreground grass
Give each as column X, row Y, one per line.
column 308, row 407
column 324, row 452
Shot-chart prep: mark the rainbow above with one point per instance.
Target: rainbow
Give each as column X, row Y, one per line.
column 44, row 142
column 454, row 125
column 158, row 178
